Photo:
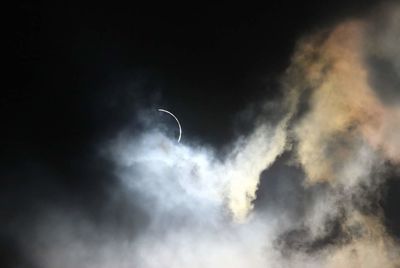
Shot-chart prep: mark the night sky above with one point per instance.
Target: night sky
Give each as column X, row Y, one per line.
column 84, row 73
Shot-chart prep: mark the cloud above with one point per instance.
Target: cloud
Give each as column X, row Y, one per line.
column 338, row 136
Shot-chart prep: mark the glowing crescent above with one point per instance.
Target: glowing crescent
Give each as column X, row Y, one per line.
column 176, row 119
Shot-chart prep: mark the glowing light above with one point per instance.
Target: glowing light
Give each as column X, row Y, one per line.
column 177, row 121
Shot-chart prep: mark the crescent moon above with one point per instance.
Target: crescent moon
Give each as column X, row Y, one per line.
column 177, row 121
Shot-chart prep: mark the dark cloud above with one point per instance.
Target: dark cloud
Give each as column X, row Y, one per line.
column 381, row 53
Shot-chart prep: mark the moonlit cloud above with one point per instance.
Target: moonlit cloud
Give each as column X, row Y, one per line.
column 336, row 124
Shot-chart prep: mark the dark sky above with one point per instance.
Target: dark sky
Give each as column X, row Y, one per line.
column 83, row 70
